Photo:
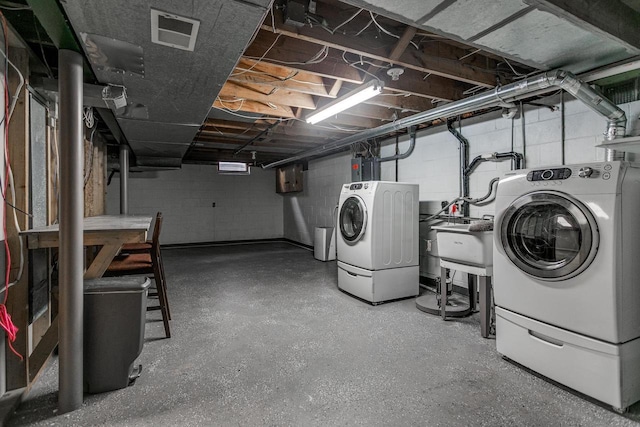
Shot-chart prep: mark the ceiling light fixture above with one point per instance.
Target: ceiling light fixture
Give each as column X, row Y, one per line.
column 354, row 97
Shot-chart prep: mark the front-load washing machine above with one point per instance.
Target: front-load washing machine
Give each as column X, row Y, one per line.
column 378, row 240
column 567, row 276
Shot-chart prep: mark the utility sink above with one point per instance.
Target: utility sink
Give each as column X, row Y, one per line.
column 457, row 244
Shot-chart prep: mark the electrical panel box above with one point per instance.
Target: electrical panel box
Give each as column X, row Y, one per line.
column 365, row 169
column 289, row 179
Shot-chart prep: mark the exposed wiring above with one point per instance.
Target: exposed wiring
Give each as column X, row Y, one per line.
column 347, row 21
column 233, row 113
column 316, row 59
column 5, row 318
column 513, row 69
column 353, row 64
column 15, row 7
column 262, row 57
column 364, row 28
column 384, row 30
column 226, row 108
column 44, row 58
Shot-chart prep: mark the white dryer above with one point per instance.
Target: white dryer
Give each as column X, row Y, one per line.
column 378, row 240
column 567, row 276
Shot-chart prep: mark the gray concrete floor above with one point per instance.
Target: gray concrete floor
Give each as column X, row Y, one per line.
column 262, row 336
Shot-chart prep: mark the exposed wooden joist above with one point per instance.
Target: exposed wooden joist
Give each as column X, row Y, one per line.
column 296, row 54
column 255, row 107
column 402, row 102
column 432, row 86
column 232, row 92
column 400, row 46
column 266, row 74
column 373, row 48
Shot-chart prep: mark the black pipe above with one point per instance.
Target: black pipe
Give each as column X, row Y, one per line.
column 516, row 157
column 495, row 157
column 412, row 145
column 464, row 161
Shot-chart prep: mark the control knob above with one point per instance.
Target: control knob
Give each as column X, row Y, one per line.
column 585, row 172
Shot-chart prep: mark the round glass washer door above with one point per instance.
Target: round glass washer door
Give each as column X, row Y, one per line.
column 549, row 235
column 353, row 219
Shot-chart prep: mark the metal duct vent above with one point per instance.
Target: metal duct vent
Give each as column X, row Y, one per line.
column 623, row 92
column 173, row 30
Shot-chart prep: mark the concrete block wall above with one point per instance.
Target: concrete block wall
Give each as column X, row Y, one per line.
column 434, row 162
column 247, row 206
column 314, row 207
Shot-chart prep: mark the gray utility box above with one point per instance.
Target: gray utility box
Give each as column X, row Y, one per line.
column 365, row 169
column 114, row 318
column 324, row 244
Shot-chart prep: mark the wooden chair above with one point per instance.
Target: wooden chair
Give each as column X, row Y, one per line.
column 150, row 264
column 145, row 247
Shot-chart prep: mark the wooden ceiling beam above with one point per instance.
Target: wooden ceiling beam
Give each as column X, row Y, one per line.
column 399, row 48
column 374, row 48
column 434, row 87
column 255, row 107
column 297, row 54
column 232, row 92
column 297, row 81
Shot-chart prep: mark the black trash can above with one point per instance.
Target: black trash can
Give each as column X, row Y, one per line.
column 114, row 317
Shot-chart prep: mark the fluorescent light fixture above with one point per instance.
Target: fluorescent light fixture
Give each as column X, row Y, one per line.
column 233, row 168
column 354, row 97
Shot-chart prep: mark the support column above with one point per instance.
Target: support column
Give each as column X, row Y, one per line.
column 71, row 247
column 124, row 179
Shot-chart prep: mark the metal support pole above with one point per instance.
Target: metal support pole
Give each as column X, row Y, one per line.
column 71, row 214
column 485, row 305
column 124, row 179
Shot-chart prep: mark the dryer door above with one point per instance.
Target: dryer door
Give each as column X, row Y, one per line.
column 549, row 235
column 353, row 219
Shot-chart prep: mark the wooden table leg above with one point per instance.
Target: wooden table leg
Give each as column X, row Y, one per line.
column 102, row 260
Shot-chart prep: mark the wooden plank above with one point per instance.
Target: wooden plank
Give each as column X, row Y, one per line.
column 102, row 260
column 232, row 92
column 398, row 49
column 296, row 54
column 43, row 350
column 17, row 305
column 262, row 73
column 434, row 87
column 256, row 107
column 95, row 187
column 335, row 88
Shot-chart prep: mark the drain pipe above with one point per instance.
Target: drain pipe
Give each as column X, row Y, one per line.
column 464, row 162
column 412, row 145
column 616, row 119
column 495, row 157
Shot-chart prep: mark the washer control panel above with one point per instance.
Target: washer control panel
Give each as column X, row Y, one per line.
column 549, row 174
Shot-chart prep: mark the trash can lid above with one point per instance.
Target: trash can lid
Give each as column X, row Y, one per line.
column 116, row 284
